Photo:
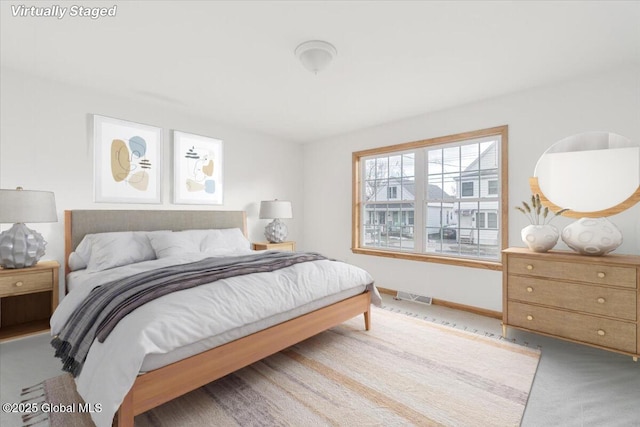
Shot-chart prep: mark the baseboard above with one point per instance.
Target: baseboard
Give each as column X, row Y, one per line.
column 454, row 305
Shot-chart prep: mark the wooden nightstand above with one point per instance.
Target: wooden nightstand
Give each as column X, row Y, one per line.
column 28, row 297
column 284, row 246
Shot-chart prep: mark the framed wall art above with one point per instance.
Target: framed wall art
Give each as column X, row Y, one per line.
column 127, row 161
column 197, row 169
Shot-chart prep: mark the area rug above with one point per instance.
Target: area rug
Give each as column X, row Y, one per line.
column 404, row 371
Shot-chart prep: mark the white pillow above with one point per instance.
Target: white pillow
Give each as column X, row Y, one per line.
column 109, row 250
column 76, row 262
column 101, row 251
column 80, row 257
column 225, row 239
column 217, row 240
column 170, row 244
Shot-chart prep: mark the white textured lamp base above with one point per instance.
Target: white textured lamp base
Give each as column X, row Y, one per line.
column 20, row 247
column 276, row 231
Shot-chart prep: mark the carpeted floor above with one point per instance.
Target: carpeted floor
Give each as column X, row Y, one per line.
column 404, row 371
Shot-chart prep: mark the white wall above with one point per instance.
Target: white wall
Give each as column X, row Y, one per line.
column 45, row 145
column 537, row 118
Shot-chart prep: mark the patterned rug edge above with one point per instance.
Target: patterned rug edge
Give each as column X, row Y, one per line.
column 462, row 327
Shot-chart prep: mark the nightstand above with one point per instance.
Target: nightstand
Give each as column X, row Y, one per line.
column 28, row 297
column 284, row 246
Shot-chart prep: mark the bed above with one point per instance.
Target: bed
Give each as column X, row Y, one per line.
column 164, row 376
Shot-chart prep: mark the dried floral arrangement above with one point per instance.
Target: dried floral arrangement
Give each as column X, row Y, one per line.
column 536, row 214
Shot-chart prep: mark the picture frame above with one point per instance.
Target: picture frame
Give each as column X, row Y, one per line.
column 127, row 161
column 197, row 169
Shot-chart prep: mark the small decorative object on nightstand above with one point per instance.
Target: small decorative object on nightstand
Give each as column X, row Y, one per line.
column 20, row 246
column 283, row 246
column 28, row 297
column 276, row 231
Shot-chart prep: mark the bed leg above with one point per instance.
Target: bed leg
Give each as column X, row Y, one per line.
column 124, row 416
column 367, row 320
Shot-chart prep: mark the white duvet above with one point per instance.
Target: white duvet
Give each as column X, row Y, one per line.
column 191, row 316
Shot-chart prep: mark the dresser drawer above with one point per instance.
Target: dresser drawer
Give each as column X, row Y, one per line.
column 580, row 327
column 589, row 273
column 25, row 283
column 618, row 303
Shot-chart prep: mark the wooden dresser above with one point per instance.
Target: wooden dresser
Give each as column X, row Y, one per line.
column 589, row 300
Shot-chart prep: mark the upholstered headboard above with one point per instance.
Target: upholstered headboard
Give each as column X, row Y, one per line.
column 78, row 223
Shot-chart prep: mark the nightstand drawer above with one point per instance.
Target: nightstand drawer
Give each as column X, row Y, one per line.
column 590, row 273
column 580, row 327
column 618, row 303
column 284, row 246
column 25, row 283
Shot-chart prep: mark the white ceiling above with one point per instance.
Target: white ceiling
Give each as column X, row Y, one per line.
column 233, row 62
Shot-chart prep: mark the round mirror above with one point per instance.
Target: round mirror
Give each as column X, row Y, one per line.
column 594, row 174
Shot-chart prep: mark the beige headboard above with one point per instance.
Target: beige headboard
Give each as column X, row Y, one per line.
column 78, row 223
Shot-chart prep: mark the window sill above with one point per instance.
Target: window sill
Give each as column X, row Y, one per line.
column 488, row 265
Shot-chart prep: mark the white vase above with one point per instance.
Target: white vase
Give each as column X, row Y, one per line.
column 592, row 236
column 540, row 238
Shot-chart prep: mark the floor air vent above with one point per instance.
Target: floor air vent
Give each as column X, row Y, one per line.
column 413, row 297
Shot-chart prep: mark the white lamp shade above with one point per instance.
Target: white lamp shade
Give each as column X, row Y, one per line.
column 20, row 246
column 272, row 209
column 27, row 206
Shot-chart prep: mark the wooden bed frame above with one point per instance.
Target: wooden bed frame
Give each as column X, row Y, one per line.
column 154, row 388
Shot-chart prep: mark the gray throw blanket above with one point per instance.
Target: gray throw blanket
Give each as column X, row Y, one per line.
column 106, row 305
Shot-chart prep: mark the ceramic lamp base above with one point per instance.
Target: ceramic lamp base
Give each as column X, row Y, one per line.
column 20, row 247
column 276, row 231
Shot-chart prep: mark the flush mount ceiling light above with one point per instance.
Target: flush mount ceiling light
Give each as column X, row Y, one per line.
column 315, row 55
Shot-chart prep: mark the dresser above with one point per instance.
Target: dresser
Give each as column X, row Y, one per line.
column 589, row 300
column 28, row 297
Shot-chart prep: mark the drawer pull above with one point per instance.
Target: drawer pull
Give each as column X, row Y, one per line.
column 18, row 284
column 529, row 267
column 601, row 332
column 601, row 300
column 529, row 317
column 529, row 289
column 601, row 275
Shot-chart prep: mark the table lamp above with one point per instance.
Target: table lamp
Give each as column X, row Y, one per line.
column 276, row 231
column 20, row 246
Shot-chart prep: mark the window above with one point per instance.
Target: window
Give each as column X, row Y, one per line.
column 392, row 193
column 487, row 220
column 388, row 192
column 492, row 220
column 492, row 187
column 435, row 200
column 467, row 189
column 480, row 222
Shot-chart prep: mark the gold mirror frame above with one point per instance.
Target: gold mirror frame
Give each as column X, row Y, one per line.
column 584, row 145
column 621, row 207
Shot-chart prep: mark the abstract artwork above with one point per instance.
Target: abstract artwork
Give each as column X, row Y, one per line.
column 128, row 160
column 197, row 169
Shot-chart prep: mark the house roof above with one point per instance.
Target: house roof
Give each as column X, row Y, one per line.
column 433, row 191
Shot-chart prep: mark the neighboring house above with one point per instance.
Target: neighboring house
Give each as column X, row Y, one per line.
column 466, row 216
column 478, row 221
column 395, row 215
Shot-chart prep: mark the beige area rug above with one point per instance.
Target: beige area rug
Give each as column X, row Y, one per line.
column 405, row 371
